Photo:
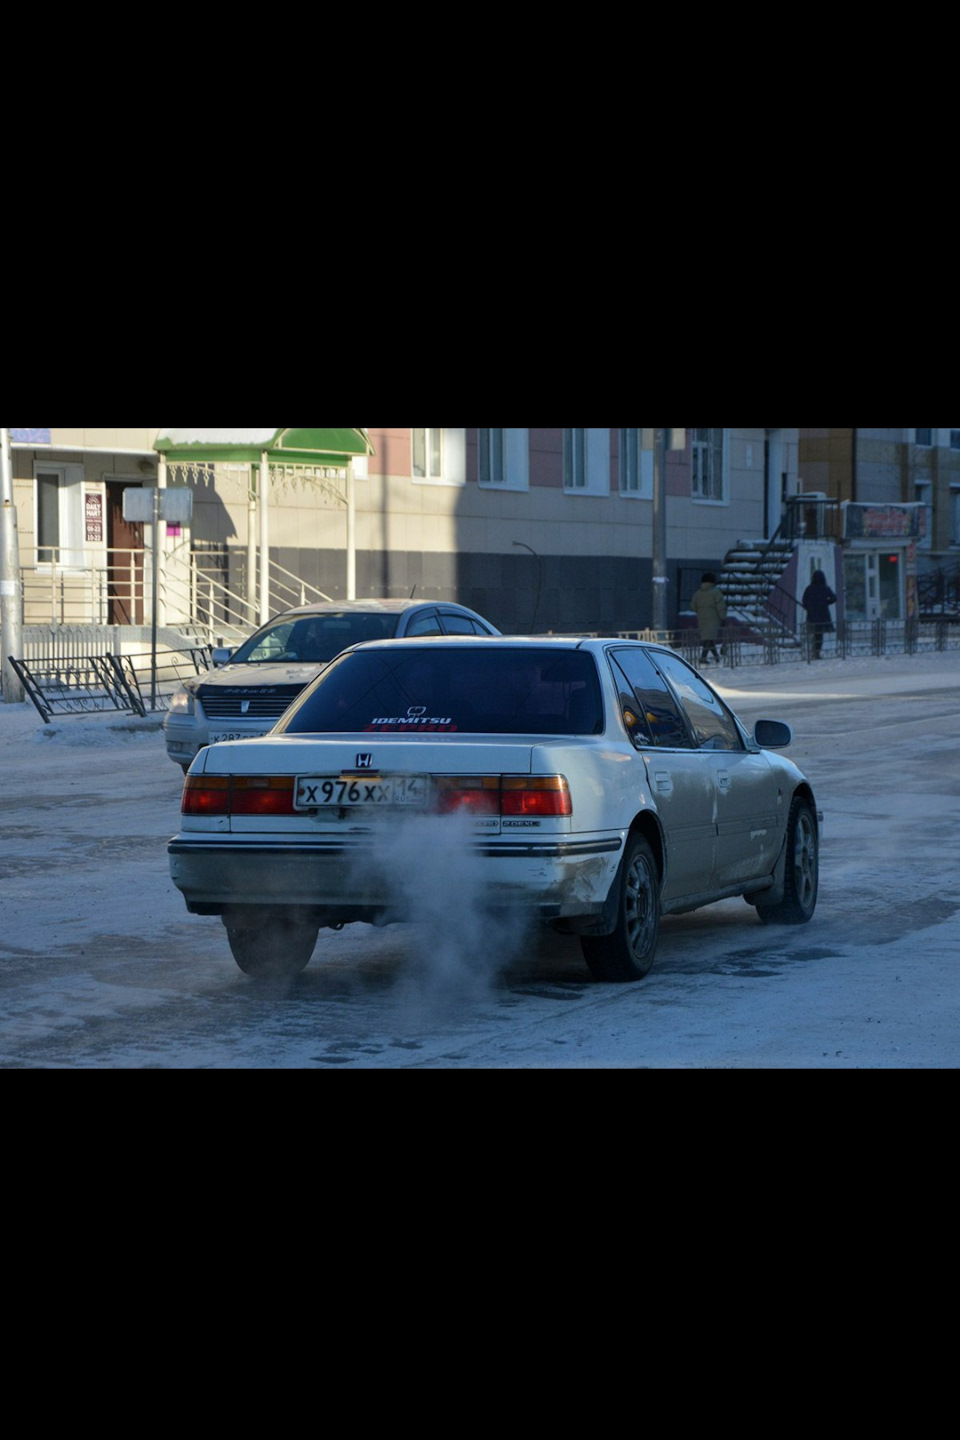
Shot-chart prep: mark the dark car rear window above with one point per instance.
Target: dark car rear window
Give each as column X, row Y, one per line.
column 476, row 691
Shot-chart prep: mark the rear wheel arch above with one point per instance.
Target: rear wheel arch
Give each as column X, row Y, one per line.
column 623, row 948
column 647, row 825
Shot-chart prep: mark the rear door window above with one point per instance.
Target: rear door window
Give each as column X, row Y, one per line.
column 713, row 726
column 425, row 623
column 455, row 624
column 651, row 713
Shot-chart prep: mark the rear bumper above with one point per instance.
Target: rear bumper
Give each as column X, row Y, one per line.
column 556, row 878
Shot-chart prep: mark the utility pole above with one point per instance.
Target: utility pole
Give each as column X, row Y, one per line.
column 659, row 531
column 155, row 498
column 11, row 595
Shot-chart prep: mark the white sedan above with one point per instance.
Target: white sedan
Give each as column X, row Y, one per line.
column 592, row 785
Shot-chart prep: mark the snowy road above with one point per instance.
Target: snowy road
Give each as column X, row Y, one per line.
column 101, row 966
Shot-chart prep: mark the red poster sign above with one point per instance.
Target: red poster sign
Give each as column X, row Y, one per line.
column 93, row 515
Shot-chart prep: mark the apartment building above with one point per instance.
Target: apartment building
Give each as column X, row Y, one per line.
column 538, row 529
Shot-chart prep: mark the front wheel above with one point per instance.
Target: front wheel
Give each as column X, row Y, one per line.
column 802, row 875
column 269, row 944
column 627, row 953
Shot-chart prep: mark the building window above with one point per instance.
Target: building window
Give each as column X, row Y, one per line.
column 635, row 466
column 59, row 514
column 504, row 460
column 586, row 462
column 438, row 456
column 574, row 459
column 955, row 439
column 955, row 515
column 707, row 478
column 924, row 437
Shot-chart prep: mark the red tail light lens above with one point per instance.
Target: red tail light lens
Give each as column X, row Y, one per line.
column 531, row 795
column 473, row 794
column 542, row 795
column 206, row 795
column 238, row 795
column 262, row 795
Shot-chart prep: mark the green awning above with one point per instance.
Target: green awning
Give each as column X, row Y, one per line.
column 292, row 447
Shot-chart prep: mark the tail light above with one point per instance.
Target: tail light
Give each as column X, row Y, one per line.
column 538, row 796
column 530, row 795
column 238, row 795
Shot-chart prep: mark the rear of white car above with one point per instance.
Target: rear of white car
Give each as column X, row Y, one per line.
column 592, row 785
column 311, row 822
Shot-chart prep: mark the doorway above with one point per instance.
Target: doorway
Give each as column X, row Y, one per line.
column 873, row 585
column 124, row 560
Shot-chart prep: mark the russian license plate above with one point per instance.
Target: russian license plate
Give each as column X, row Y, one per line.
column 313, row 791
column 227, row 735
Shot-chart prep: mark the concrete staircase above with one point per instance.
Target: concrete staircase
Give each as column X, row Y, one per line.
column 750, row 574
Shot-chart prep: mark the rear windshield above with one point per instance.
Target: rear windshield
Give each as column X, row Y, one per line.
column 314, row 638
column 471, row 690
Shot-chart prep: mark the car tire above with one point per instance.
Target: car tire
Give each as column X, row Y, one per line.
column 802, row 875
column 628, row 952
column 269, row 944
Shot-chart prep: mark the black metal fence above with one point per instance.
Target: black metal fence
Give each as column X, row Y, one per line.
column 96, row 683
column 849, row 640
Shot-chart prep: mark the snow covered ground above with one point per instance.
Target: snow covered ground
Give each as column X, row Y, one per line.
column 101, row 967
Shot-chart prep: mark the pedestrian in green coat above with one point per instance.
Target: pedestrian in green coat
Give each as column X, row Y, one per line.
column 711, row 611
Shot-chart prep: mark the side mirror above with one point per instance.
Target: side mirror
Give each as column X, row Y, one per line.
column 220, row 655
column 772, row 734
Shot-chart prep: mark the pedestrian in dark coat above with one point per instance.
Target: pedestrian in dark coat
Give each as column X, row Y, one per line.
column 816, row 600
column 711, row 611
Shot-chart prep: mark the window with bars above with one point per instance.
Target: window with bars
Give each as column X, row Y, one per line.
column 707, row 478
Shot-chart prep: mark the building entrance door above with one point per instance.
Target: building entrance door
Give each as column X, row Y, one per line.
column 124, row 561
column 873, row 585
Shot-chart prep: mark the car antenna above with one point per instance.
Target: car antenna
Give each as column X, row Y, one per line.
column 413, row 592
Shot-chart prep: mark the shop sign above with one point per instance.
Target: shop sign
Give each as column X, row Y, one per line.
column 882, row 522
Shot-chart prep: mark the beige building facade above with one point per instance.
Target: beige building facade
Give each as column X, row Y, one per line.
column 538, row 529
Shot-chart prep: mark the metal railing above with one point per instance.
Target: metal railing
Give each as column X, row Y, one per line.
column 193, row 592
column 938, row 593
column 850, row 640
column 92, row 684
column 811, row 517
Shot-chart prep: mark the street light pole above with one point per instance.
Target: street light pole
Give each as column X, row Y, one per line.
column 659, row 531
column 11, row 598
column 536, row 605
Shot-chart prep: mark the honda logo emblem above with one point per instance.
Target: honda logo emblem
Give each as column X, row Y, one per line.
column 364, row 762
